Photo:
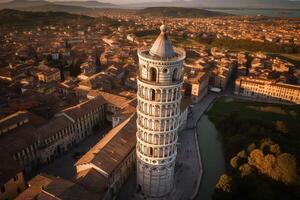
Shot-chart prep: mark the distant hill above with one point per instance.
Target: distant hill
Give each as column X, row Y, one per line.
column 221, row 4
column 249, row 3
column 10, row 17
column 57, row 8
column 22, row 3
column 178, row 12
column 26, row 3
column 93, row 12
column 88, row 4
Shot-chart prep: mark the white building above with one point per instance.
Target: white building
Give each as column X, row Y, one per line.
column 158, row 115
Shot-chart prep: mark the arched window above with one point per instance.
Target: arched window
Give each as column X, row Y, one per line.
column 153, row 74
column 155, row 139
column 175, row 95
column 151, row 151
column 152, row 95
column 174, row 78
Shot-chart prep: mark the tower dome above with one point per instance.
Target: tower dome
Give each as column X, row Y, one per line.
column 162, row 47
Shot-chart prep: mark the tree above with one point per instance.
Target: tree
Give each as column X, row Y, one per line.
column 265, row 145
column 234, row 162
column 245, row 169
column 242, row 154
column 288, row 167
column 256, row 158
column 224, row 183
column 275, row 149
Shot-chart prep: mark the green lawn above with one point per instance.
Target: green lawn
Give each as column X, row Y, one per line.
column 266, row 112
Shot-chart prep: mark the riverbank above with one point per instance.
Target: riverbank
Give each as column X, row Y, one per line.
column 196, row 113
column 211, row 148
column 253, row 131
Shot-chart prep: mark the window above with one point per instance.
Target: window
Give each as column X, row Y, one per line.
column 151, row 151
column 152, row 95
column 153, row 74
column 165, row 70
column 18, row 190
column 16, row 178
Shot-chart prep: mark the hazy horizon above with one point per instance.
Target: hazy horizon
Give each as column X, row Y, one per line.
column 106, row 1
column 131, row 1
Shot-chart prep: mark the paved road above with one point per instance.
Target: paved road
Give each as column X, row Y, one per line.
column 198, row 109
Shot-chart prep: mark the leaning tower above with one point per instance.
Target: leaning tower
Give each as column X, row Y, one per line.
column 158, row 111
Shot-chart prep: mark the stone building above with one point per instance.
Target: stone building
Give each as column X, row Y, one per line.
column 47, row 140
column 11, row 178
column 44, row 186
column 158, row 114
column 100, row 173
column 267, row 89
column 110, row 161
column 222, row 74
column 196, row 86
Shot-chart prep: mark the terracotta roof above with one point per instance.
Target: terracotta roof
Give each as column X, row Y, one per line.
column 27, row 135
column 79, row 110
column 20, row 116
column 17, row 140
column 114, row 99
column 13, row 119
column 35, row 186
column 129, row 108
column 113, row 148
column 53, row 126
column 66, row 190
column 93, row 181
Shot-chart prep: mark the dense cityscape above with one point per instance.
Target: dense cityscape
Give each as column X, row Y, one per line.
column 149, row 103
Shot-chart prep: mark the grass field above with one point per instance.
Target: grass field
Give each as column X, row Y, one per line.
column 244, row 122
column 266, row 112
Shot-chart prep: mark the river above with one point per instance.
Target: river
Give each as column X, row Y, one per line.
column 212, row 157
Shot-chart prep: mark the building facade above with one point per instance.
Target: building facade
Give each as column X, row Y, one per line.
column 48, row 139
column 12, row 180
column 110, row 168
column 266, row 89
column 158, row 113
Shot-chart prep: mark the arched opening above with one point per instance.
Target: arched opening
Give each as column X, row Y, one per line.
column 151, row 151
column 157, row 110
column 174, row 78
column 152, row 95
column 153, row 74
column 175, row 95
